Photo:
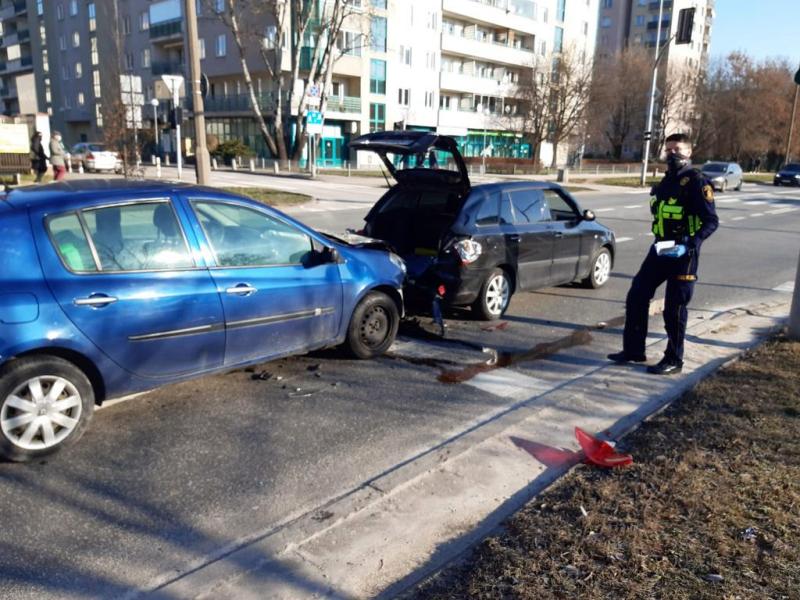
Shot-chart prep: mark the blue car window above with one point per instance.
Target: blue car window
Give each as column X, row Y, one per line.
column 71, row 243
column 529, row 206
column 138, row 237
column 487, row 213
column 506, row 211
column 244, row 237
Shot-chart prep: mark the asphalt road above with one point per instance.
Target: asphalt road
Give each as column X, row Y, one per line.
column 164, row 482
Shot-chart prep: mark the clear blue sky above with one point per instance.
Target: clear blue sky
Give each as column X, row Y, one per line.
column 761, row 28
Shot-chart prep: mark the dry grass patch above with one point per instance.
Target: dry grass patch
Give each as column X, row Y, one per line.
column 710, row 508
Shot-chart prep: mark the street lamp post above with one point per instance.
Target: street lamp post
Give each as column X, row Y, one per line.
column 485, row 111
column 648, row 132
column 154, row 104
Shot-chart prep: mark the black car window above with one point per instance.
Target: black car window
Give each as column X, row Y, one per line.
column 506, row 211
column 791, row 167
column 71, row 243
column 401, row 199
column 487, row 212
column 529, row 206
column 560, row 208
column 714, row 168
column 244, row 237
column 138, row 237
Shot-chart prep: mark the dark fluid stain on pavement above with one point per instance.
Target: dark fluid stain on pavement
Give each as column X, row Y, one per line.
column 581, row 337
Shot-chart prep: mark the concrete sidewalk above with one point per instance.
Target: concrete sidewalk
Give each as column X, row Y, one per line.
column 402, row 525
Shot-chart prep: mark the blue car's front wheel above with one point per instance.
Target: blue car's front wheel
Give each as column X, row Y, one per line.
column 373, row 326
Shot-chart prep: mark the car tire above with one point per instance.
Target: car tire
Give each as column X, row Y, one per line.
column 373, row 326
column 495, row 296
column 32, row 424
column 600, row 270
column 723, row 188
column 776, row 183
column 738, row 188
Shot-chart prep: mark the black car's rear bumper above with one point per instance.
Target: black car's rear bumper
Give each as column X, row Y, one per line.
column 462, row 285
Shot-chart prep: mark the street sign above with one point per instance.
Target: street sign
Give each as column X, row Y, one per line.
column 174, row 83
column 314, row 122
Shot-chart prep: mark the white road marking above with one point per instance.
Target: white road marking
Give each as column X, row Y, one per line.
column 507, row 383
column 755, row 202
column 738, row 218
column 727, row 200
column 781, row 211
column 624, row 239
column 785, row 287
column 599, row 210
column 637, row 192
column 757, row 215
column 634, row 205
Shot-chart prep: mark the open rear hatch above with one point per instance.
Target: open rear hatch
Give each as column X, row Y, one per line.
column 418, row 157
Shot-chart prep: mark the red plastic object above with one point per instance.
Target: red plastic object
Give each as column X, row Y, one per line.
column 601, row 453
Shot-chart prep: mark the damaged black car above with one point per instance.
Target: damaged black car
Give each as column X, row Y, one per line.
column 477, row 245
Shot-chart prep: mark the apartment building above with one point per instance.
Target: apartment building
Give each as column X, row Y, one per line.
column 438, row 65
column 20, row 43
column 634, row 23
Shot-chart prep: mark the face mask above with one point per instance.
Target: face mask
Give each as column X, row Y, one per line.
column 675, row 162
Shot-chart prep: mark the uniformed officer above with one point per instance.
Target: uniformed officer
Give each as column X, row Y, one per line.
column 683, row 214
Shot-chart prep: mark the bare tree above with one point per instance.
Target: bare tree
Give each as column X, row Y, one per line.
column 531, row 95
column 569, row 94
column 619, row 97
column 312, row 30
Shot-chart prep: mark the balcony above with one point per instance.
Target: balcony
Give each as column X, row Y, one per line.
column 490, row 51
column 8, row 92
column 507, row 14
column 20, row 7
column 23, row 35
column 346, row 104
column 18, row 64
column 166, row 30
column 667, row 5
column 475, row 85
column 653, row 25
column 166, row 68
column 470, row 119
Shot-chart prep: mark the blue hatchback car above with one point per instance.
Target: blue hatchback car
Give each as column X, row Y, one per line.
column 110, row 287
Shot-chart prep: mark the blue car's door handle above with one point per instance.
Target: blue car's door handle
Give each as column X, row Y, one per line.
column 95, row 300
column 241, row 289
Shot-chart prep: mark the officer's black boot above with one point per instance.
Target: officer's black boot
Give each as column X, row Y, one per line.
column 666, row 366
column 624, row 357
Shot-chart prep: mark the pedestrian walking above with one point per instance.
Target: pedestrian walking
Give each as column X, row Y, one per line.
column 57, row 157
column 683, row 217
column 38, row 156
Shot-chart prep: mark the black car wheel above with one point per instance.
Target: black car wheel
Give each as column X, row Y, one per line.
column 738, row 188
column 494, row 296
column 600, row 271
column 373, row 326
column 45, row 404
column 776, row 182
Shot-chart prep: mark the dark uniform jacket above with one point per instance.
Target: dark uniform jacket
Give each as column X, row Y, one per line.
column 683, row 208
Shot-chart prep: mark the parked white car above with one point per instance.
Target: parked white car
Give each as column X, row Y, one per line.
column 93, row 156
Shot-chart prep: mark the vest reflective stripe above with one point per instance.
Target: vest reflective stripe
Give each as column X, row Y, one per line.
column 668, row 210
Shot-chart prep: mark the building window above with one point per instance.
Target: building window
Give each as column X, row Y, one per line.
column 202, row 48
column 146, row 58
column 126, row 25
column 60, row 11
column 45, row 61
column 98, row 114
column 78, row 70
column 62, row 42
column 378, row 34
column 64, row 72
column 605, row 22
column 433, row 20
column 640, row 20
column 144, row 21
column 379, row 3
column 377, row 76
column 92, row 16
column 429, row 99
column 405, row 55
column 561, row 9
column 39, row 8
column 94, row 55
column 558, row 42
column 96, row 83
column 402, row 96
column 129, row 61
column 608, row 3
column 545, row 15
column 543, row 49
column 76, row 39
column 349, row 43
column 430, row 60
column 585, row 28
column 81, row 99
column 73, row 8
column 219, row 6
column 222, row 45
column 377, row 117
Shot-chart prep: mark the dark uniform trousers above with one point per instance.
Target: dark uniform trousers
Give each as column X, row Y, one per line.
column 683, row 211
column 680, row 275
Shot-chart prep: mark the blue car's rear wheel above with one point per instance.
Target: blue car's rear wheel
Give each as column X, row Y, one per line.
column 45, row 404
column 373, row 326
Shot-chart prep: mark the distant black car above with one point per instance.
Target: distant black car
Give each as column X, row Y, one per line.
column 477, row 245
column 788, row 175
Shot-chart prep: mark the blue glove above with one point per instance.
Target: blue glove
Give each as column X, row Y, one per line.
column 675, row 252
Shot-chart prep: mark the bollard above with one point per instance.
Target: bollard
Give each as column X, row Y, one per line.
column 166, row 160
column 348, row 168
column 263, row 163
column 80, row 168
column 153, row 159
column 158, row 167
column 233, row 164
column 275, row 167
column 252, row 165
column 214, row 164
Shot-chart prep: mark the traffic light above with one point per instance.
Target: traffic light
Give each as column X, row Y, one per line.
column 685, row 26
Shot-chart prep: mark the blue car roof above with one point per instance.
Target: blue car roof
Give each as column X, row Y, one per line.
column 515, row 185
column 101, row 190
